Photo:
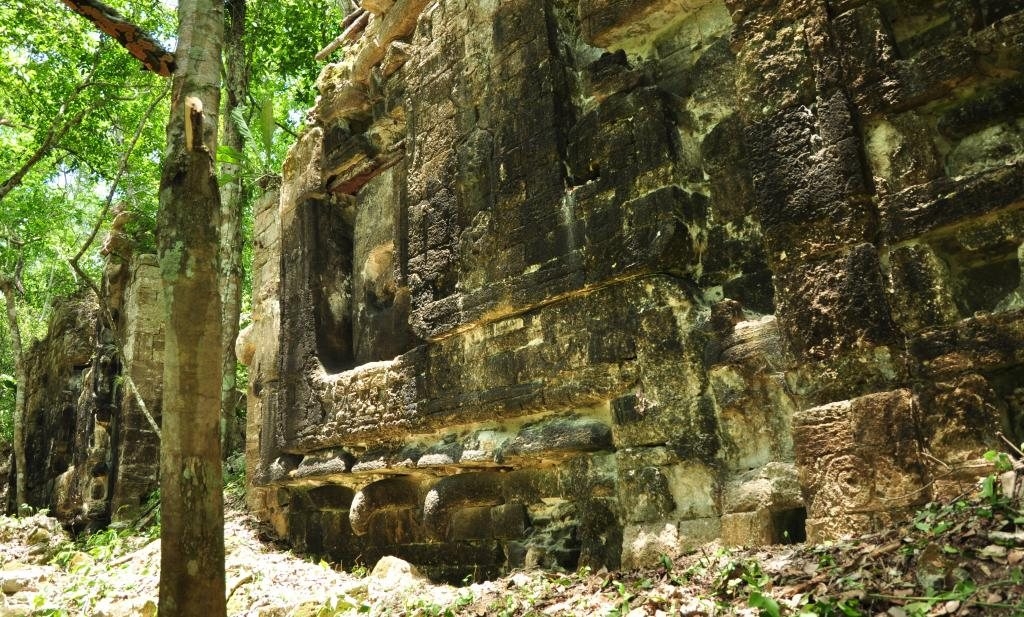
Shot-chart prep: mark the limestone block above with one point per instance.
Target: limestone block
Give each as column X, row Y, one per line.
column 775, row 70
column 245, row 345
column 303, row 172
column 343, row 101
column 471, row 524
column 860, row 456
column 643, row 544
column 397, row 55
column 748, row 528
column 869, row 54
column 509, row 520
column 834, row 304
column 694, row 488
column 381, row 320
column 391, row 575
column 945, row 201
column 695, row 532
column 620, row 23
column 456, row 492
column 397, row 23
column 699, row 64
column 838, row 525
column 985, row 342
column 810, row 187
column 901, row 151
column 725, row 161
column 610, row 74
column 990, row 106
column 629, row 127
column 646, row 495
column 559, row 435
column 919, row 291
column 961, row 419
column 377, row 7
column 987, row 149
column 755, row 342
column 773, row 487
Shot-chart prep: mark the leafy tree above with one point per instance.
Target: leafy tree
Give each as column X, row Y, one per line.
column 70, row 99
column 76, row 139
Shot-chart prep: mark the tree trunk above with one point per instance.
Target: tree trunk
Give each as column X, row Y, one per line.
column 7, row 288
column 232, row 197
column 191, row 481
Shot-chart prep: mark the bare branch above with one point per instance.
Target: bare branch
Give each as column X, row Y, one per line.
column 354, row 25
column 142, row 405
column 144, row 47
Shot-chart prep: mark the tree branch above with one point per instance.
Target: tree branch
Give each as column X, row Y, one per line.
column 145, row 48
column 54, row 136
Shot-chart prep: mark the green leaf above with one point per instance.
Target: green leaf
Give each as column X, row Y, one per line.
column 767, row 604
column 238, row 115
column 988, row 487
column 227, row 154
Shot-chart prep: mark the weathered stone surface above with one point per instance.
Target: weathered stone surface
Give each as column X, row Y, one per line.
column 860, row 458
column 834, row 304
column 93, row 455
column 630, row 23
column 587, row 282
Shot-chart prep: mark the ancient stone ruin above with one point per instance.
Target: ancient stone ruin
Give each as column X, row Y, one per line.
column 553, row 283
column 93, row 453
column 581, row 282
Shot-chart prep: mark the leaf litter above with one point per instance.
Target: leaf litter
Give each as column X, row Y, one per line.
column 965, row 557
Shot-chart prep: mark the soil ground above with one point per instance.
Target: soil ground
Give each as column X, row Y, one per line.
column 959, row 558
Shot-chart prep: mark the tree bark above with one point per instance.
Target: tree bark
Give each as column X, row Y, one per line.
column 232, row 194
column 191, row 481
column 7, row 288
column 145, row 48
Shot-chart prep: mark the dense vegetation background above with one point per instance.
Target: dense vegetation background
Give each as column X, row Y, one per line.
column 82, row 134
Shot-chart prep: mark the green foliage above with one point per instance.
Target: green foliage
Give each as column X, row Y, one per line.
column 281, row 39
column 234, row 477
column 8, row 388
column 344, row 605
column 60, row 77
column 267, row 126
column 767, row 605
column 101, row 545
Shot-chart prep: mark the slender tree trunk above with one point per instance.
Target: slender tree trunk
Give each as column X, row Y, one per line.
column 7, row 288
column 232, row 194
column 191, row 481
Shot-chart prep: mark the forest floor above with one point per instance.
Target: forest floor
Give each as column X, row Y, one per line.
column 959, row 558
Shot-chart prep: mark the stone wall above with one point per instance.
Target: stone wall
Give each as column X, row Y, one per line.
column 556, row 283
column 93, row 457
